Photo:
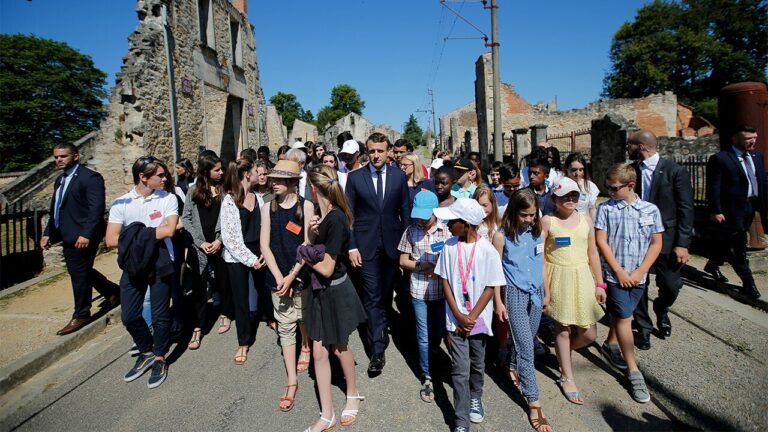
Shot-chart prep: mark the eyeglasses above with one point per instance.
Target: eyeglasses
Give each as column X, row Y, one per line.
column 615, row 188
column 402, row 165
column 147, row 161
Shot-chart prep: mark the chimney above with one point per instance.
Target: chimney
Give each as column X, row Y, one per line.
column 241, row 5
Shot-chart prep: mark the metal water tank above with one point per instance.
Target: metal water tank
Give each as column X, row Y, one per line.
column 744, row 103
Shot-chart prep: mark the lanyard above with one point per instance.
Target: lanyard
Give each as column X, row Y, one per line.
column 464, row 274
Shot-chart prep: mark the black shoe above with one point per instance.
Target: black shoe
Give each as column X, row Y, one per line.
column 714, row 271
column 751, row 291
column 643, row 341
column 665, row 326
column 377, row 364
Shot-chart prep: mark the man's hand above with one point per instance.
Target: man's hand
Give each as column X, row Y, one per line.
column 82, row 243
column 45, row 242
column 682, row 255
column 355, row 258
column 718, row 218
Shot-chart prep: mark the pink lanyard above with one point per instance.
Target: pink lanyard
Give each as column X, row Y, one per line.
column 464, row 274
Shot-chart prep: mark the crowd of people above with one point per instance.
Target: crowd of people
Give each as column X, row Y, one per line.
column 318, row 245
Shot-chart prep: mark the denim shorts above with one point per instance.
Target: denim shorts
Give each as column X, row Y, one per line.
column 623, row 301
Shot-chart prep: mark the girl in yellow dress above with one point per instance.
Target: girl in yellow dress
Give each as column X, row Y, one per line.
column 574, row 280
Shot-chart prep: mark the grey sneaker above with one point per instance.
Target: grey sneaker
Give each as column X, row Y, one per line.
column 612, row 353
column 158, row 375
column 143, row 362
column 476, row 410
column 638, row 388
column 460, row 429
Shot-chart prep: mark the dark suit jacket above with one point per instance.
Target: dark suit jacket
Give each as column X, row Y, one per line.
column 727, row 185
column 671, row 192
column 376, row 223
column 82, row 208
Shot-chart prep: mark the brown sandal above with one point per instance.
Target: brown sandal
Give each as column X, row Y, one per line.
column 539, row 422
column 303, row 364
column 241, row 357
column 288, row 398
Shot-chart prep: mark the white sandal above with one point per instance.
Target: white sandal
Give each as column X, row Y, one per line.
column 351, row 412
column 331, row 424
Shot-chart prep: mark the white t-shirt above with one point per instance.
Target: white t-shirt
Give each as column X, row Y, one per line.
column 587, row 200
column 486, row 271
column 151, row 211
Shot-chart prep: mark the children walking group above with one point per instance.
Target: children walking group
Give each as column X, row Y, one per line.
column 485, row 259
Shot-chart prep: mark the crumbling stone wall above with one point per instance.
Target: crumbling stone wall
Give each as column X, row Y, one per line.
column 212, row 82
column 357, row 125
column 304, row 131
column 277, row 133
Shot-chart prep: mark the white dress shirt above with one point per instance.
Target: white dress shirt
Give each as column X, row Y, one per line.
column 375, row 178
column 746, row 158
column 647, row 167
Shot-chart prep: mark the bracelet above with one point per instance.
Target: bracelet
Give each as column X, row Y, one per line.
column 602, row 286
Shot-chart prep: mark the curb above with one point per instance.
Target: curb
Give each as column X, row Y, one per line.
column 31, row 282
column 33, row 363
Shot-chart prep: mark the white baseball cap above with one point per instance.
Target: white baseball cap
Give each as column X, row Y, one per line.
column 350, row 146
column 298, row 145
column 565, row 186
column 465, row 209
column 437, row 163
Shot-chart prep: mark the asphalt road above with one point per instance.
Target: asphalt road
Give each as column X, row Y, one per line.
column 710, row 375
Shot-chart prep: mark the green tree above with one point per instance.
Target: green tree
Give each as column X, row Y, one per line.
column 413, row 132
column 290, row 109
column 344, row 100
column 691, row 47
column 50, row 94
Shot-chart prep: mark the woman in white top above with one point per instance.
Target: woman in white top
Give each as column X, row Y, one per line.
column 263, row 190
column 576, row 170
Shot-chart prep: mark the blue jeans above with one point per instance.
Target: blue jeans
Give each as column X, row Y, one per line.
column 133, row 290
column 430, row 325
column 146, row 310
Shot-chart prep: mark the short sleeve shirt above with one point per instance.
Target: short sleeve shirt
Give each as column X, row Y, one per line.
column 630, row 228
column 151, row 211
column 486, row 271
column 333, row 233
column 424, row 246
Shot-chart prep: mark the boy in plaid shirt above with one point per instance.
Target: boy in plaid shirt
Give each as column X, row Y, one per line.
column 628, row 235
column 420, row 247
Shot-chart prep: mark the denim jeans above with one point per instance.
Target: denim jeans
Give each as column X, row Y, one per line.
column 430, row 325
column 146, row 310
column 133, row 290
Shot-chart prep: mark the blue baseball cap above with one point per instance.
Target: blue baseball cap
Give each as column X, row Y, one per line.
column 423, row 204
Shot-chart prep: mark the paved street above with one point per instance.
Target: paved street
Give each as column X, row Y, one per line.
column 710, row 375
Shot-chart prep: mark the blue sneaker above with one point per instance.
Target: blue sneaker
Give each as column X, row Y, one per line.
column 143, row 362
column 158, row 374
column 476, row 411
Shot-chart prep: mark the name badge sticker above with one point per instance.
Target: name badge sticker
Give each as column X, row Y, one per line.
column 437, row 246
column 293, row 228
column 646, row 220
column 539, row 248
column 563, row 241
column 154, row 215
column 582, row 197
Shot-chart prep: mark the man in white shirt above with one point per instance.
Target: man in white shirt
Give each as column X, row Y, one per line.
column 147, row 203
column 300, row 157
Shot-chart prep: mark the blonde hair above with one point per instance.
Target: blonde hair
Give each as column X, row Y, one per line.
column 325, row 180
column 492, row 220
column 418, row 167
column 622, row 173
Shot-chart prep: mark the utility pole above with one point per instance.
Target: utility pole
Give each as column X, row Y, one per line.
column 434, row 123
column 498, row 147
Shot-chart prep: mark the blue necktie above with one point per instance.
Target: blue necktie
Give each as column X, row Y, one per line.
column 59, row 197
column 379, row 187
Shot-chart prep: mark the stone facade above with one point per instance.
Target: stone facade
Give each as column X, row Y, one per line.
column 357, row 125
column 659, row 113
column 392, row 134
column 303, row 131
column 216, row 89
column 277, row 133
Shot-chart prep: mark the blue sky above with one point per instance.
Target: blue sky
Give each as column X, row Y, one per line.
column 392, row 51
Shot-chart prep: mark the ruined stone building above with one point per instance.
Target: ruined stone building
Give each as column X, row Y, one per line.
column 303, row 131
column 215, row 100
column 468, row 126
column 359, row 127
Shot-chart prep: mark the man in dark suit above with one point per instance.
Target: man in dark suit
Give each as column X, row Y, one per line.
column 736, row 189
column 668, row 186
column 77, row 220
column 378, row 197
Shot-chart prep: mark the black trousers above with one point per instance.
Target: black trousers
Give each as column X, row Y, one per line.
column 132, row 291
column 204, row 285
column 733, row 249
column 378, row 278
column 84, row 278
column 237, row 274
column 669, row 281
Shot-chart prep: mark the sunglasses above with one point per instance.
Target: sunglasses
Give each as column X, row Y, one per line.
column 615, row 188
